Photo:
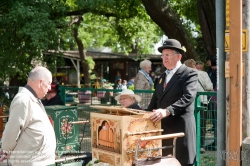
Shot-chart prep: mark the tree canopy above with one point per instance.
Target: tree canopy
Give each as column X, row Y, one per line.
column 180, row 19
column 29, row 28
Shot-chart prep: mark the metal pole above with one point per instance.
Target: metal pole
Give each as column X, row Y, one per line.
column 221, row 84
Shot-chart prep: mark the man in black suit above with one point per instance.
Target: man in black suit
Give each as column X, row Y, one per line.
column 173, row 102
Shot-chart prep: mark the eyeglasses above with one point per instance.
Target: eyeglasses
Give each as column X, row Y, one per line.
column 167, row 55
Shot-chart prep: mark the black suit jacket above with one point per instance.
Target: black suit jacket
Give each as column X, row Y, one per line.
column 178, row 98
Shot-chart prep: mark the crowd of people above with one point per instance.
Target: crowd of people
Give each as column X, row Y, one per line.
column 29, row 129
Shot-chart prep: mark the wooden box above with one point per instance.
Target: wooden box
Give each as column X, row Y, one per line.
column 115, row 133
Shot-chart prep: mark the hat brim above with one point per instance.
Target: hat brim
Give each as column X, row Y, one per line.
column 181, row 51
column 137, row 97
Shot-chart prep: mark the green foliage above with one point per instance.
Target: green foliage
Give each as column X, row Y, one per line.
column 115, row 24
column 186, row 9
column 92, row 76
column 132, row 87
column 121, row 9
column 208, row 158
column 118, row 34
column 141, row 32
column 91, row 63
column 53, row 61
column 27, row 29
column 188, row 12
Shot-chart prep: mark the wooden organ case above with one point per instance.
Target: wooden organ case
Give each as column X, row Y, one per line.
column 115, row 132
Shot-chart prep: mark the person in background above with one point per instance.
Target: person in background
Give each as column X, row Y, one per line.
column 205, row 84
column 158, row 73
column 212, row 73
column 152, row 75
column 131, row 82
column 143, row 81
column 53, row 97
column 204, row 81
column 158, row 69
column 124, row 84
column 208, row 60
column 128, row 99
column 109, row 94
column 199, row 65
column 28, row 138
column 173, row 102
column 118, row 75
column 118, row 84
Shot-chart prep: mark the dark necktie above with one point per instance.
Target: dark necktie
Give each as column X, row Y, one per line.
column 165, row 81
column 164, row 85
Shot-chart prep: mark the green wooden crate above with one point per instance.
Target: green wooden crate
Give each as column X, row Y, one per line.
column 67, row 134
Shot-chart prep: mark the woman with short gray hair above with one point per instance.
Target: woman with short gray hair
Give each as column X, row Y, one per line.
column 143, row 81
column 145, row 63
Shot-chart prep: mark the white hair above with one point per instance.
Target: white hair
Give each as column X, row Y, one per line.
column 38, row 73
column 145, row 63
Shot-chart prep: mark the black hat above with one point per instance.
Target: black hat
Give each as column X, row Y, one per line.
column 171, row 44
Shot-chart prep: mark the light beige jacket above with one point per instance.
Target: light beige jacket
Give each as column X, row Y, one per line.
column 29, row 137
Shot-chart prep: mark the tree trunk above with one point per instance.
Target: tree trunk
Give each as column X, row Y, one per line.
column 82, row 54
column 170, row 23
column 206, row 12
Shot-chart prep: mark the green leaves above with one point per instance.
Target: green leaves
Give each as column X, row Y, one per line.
column 27, row 29
column 119, row 34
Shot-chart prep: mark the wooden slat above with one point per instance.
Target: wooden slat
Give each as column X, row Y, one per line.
column 235, row 101
column 166, row 136
column 119, row 110
column 4, row 116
